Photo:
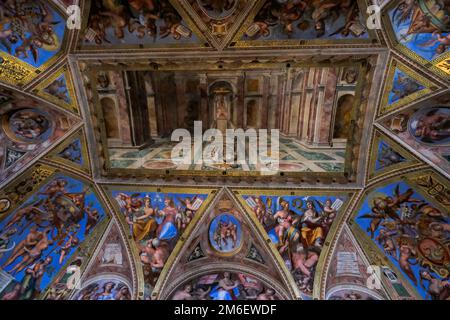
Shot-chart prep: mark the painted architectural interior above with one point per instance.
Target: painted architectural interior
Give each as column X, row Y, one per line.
column 93, row 206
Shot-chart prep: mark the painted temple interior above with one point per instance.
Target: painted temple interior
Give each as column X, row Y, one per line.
column 311, row 107
column 94, row 207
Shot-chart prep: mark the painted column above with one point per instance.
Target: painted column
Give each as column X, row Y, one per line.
column 240, row 100
column 124, row 120
column 203, row 91
column 137, row 102
column 324, row 125
column 180, row 84
column 265, row 101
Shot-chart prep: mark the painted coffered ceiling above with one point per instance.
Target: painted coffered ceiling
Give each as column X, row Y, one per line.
column 152, row 231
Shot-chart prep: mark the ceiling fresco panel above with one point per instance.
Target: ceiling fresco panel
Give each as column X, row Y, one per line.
column 300, row 225
column 73, row 152
column 45, row 232
column 94, row 206
column 325, row 145
column 420, row 30
column 105, row 288
column 348, row 272
column 404, row 86
column 31, row 39
column 225, row 257
column 294, row 23
column 28, row 129
column 155, row 219
column 407, row 220
column 219, row 19
column 110, row 273
column 387, row 156
column 137, row 24
column 58, row 88
column 425, row 129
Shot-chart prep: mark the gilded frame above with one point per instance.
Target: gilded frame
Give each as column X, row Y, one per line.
column 378, row 136
column 434, row 66
column 394, row 64
column 351, row 151
column 25, row 73
column 53, row 155
column 40, row 90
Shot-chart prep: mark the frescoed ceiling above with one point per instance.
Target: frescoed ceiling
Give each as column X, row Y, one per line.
column 92, row 207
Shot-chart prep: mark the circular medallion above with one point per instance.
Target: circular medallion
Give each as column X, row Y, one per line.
column 159, row 165
column 218, row 9
column 289, row 166
column 225, row 233
column 431, row 126
column 28, row 125
column 5, row 204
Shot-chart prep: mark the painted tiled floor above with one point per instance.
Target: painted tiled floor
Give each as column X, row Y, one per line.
column 293, row 157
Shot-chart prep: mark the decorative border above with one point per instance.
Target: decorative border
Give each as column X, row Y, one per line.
column 385, row 107
column 378, row 136
column 397, row 46
column 30, row 72
column 40, row 90
column 351, row 152
column 82, row 47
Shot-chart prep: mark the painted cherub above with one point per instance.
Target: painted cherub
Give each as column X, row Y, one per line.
column 438, row 38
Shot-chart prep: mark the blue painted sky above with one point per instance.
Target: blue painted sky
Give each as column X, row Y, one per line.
column 383, row 146
column 399, row 84
column 212, row 231
column 421, row 44
column 73, row 152
column 44, row 55
column 63, row 89
column 74, row 186
column 364, row 223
